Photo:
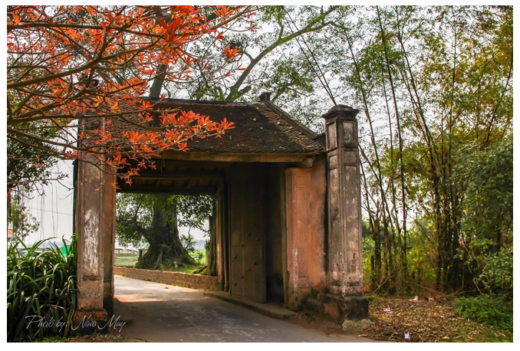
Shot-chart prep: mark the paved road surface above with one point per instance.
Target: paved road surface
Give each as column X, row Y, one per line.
column 165, row 313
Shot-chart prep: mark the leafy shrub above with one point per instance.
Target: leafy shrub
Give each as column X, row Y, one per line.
column 41, row 286
column 188, row 242
column 497, row 273
column 198, row 256
column 491, row 310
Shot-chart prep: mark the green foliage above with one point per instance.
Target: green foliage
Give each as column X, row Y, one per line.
column 193, row 210
column 368, row 250
column 497, row 273
column 188, row 241
column 41, row 283
column 29, row 161
column 135, row 214
column 421, row 256
column 420, row 260
column 281, row 56
column 198, row 256
column 372, row 297
column 154, row 219
column 487, row 223
column 435, row 84
column 491, row 310
column 134, row 217
column 20, row 219
column 489, row 196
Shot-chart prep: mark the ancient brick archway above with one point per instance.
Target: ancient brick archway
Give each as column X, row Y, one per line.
column 288, row 209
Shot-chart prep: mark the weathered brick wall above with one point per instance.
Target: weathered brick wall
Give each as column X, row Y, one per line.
column 193, row 281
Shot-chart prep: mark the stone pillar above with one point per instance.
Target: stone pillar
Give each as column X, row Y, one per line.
column 90, row 221
column 345, row 266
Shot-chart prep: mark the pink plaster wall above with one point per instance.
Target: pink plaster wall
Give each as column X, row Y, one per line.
column 305, row 191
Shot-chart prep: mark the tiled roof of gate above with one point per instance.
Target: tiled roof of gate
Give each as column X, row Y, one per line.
column 260, row 127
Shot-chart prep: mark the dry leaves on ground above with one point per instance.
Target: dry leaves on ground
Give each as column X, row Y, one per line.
column 425, row 320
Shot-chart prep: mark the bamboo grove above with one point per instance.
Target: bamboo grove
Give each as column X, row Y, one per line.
column 436, row 88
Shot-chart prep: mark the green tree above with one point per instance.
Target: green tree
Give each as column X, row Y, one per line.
column 435, row 85
column 280, row 48
column 488, row 202
column 154, row 219
column 487, row 224
column 28, row 167
column 19, row 218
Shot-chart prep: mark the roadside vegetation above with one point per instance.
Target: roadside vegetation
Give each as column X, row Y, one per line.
column 41, row 286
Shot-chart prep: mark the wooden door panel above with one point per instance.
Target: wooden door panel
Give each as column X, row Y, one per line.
column 236, row 280
column 248, row 233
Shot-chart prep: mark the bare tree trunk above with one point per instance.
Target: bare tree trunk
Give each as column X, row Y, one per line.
column 165, row 246
column 158, row 82
column 400, row 140
column 160, row 76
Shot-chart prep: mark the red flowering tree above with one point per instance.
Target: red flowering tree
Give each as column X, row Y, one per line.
column 69, row 65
